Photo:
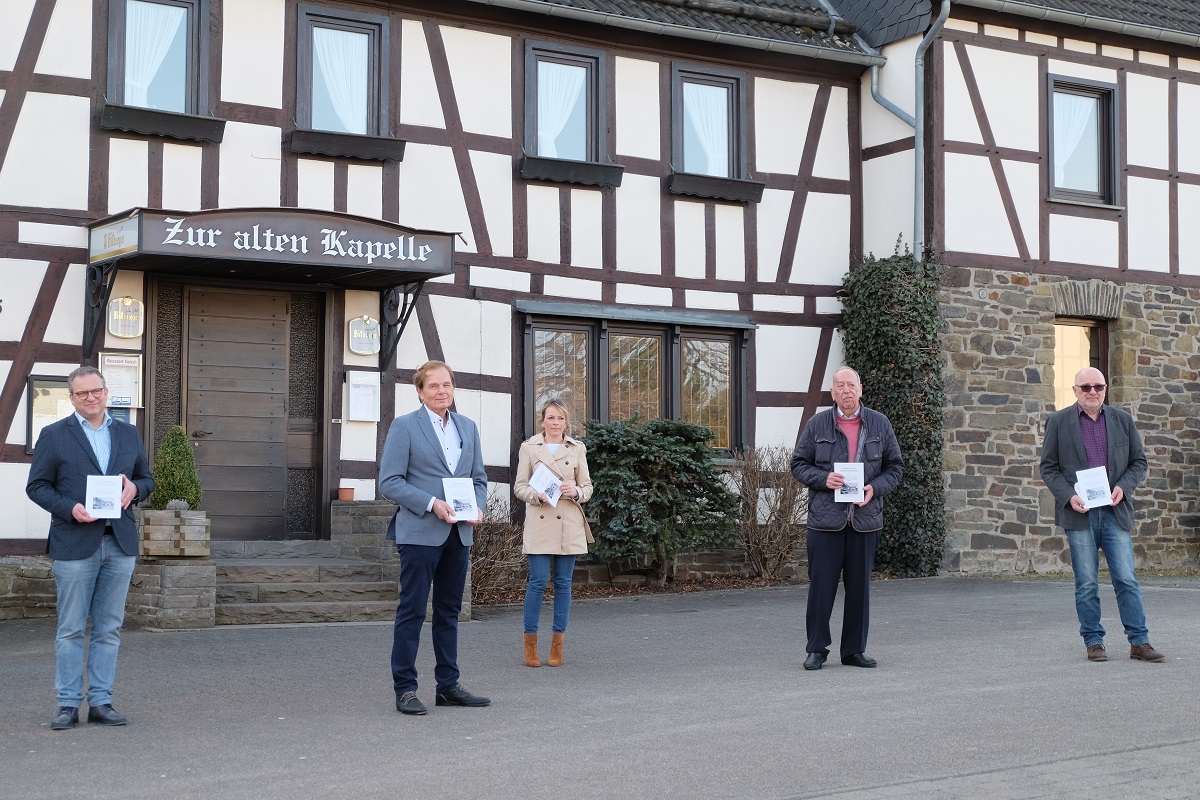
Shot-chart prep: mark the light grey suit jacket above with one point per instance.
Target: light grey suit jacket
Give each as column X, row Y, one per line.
column 411, row 472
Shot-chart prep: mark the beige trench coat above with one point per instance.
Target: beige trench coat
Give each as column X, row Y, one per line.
column 562, row 529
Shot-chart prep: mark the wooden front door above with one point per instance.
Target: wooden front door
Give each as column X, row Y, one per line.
column 236, row 408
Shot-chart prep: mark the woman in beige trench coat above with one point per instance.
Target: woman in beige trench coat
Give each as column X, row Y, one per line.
column 554, row 534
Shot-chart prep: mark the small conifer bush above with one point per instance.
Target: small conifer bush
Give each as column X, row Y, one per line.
column 175, row 475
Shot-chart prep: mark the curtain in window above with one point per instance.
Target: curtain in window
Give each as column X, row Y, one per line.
column 150, row 29
column 1075, row 117
column 559, row 87
column 341, row 61
column 706, row 111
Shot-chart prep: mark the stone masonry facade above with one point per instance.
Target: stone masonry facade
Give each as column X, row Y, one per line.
column 998, row 346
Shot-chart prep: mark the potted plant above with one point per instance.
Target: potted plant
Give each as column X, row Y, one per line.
column 172, row 524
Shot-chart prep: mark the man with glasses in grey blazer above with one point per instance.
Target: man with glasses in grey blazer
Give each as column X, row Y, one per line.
column 421, row 449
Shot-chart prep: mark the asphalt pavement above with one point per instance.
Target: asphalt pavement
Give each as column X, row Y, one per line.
column 983, row 691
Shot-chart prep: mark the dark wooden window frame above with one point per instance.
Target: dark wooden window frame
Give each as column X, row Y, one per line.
column 377, row 144
column 594, row 170
column 739, row 186
column 194, row 123
column 1100, row 325
column 1107, row 150
column 671, row 328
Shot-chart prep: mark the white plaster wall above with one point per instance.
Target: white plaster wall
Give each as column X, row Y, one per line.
column 1157, row 59
column 828, row 305
column 638, row 227
column 1189, row 235
column 406, row 395
column 410, row 352
column 689, row 239
column 21, row 279
column 252, row 45
column 1008, row 85
column 1188, row 124
column 23, row 519
column 506, row 279
column 364, row 190
column 896, row 83
column 773, row 211
column 181, row 176
column 542, row 210
column 637, row 107
column 958, row 123
column 431, row 195
column 57, row 235
column 494, row 177
column 1074, row 69
column 364, row 488
column 784, row 357
column 1079, row 46
column 975, row 218
column 634, row 295
column 492, row 412
column 129, row 168
column 476, row 335
column 587, row 228
column 314, row 184
column 1149, row 206
column 126, row 284
column 1024, row 182
column 779, row 302
column 1084, row 241
column 419, row 101
column 359, row 303
column 67, row 49
column 823, row 254
column 888, row 203
column 833, row 151
column 777, row 426
column 573, row 288
column 250, row 164
column 66, row 321
column 1146, row 115
column 48, row 156
column 12, row 32
column 731, row 243
column 782, row 112
column 719, row 301
column 481, row 70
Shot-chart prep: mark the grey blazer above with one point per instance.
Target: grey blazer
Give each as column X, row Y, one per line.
column 411, row 472
column 62, row 460
column 1063, row 456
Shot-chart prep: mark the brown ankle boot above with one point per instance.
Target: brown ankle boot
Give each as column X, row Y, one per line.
column 556, row 647
column 531, row 659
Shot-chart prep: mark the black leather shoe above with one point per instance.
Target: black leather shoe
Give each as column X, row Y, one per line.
column 66, row 719
column 815, row 660
column 105, row 715
column 456, row 695
column 859, row 660
column 408, row 703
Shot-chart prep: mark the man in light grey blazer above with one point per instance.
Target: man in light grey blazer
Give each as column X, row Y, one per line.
column 1086, row 435
column 421, row 449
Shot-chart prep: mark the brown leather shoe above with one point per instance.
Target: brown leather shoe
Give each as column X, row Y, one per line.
column 1096, row 652
column 1146, row 652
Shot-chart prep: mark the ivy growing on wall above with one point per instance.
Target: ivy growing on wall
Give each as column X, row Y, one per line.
column 890, row 333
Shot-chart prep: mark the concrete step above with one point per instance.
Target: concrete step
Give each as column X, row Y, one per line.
column 306, row 592
column 267, row 613
column 302, row 570
column 287, row 548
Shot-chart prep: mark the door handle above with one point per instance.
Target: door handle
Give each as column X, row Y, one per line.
column 201, row 434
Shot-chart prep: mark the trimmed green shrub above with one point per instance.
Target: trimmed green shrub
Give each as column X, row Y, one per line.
column 174, row 472
column 890, row 333
column 657, row 491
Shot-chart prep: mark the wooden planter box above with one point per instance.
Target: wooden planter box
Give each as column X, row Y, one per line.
column 174, row 534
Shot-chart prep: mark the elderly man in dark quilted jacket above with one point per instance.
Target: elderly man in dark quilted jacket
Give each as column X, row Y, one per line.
column 842, row 536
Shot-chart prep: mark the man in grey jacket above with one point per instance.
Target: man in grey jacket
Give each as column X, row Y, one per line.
column 1085, row 435
column 842, row 536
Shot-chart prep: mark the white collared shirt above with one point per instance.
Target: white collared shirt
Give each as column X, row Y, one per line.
column 449, row 437
column 100, row 439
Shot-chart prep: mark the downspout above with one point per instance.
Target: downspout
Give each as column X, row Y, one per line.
column 919, row 134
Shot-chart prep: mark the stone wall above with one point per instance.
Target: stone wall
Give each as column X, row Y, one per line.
column 27, row 588
column 172, row 594
column 998, row 345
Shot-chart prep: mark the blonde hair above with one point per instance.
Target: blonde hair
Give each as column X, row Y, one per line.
column 554, row 402
column 428, row 367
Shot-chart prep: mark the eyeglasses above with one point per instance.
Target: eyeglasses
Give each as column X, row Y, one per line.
column 94, row 393
column 1087, row 387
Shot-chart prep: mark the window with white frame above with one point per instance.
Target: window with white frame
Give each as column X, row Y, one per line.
column 154, row 54
column 341, row 81
column 1083, row 135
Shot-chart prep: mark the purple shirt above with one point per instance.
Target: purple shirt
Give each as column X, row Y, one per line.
column 1095, row 437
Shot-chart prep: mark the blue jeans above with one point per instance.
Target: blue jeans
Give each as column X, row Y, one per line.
column 539, row 574
column 1103, row 533
column 95, row 585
